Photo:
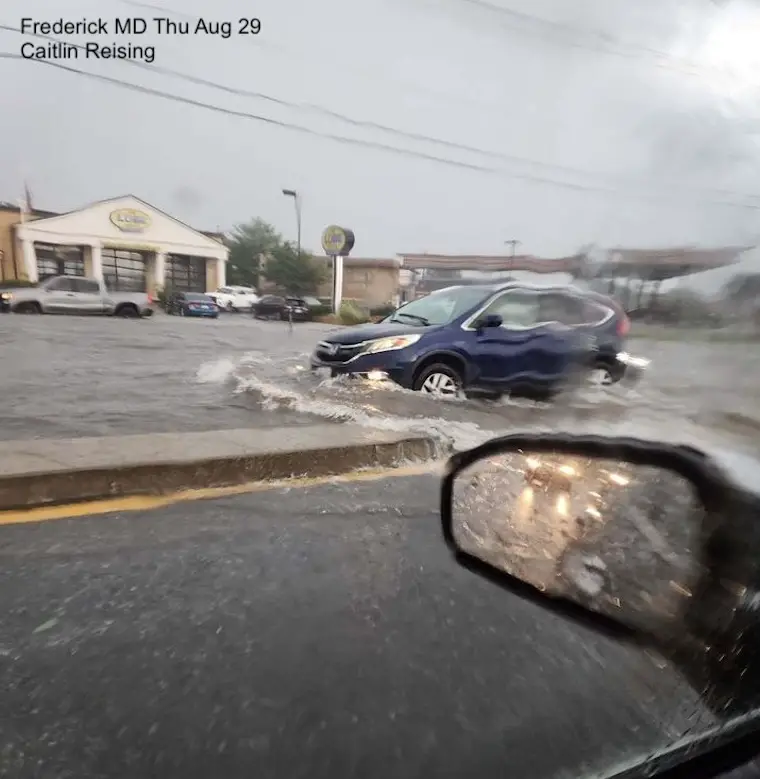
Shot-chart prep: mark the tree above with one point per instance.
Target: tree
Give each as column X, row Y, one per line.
column 742, row 287
column 247, row 243
column 687, row 306
column 299, row 275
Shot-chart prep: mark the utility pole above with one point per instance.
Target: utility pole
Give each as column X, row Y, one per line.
column 514, row 244
column 297, row 202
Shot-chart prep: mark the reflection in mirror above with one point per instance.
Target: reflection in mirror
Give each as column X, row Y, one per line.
column 619, row 539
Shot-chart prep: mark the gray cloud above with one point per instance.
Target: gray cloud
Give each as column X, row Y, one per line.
column 601, row 125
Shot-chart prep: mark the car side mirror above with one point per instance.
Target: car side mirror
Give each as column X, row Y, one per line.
column 490, row 320
column 646, row 534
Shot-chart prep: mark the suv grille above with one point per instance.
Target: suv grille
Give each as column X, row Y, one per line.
column 337, row 353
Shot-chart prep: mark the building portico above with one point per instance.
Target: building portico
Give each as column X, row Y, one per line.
column 126, row 242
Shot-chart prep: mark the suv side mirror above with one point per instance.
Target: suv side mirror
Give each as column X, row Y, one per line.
column 490, row 320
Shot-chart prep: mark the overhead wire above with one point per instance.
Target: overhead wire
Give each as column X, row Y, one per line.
column 313, row 107
column 350, row 120
column 619, row 46
column 247, row 115
column 601, row 41
column 641, row 52
column 358, row 69
column 360, row 142
column 409, row 135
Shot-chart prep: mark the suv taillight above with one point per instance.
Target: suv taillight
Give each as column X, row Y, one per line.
column 624, row 325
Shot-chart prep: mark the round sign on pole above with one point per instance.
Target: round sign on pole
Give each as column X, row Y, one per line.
column 337, row 241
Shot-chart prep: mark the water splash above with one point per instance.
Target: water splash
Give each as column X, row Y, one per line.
column 285, row 383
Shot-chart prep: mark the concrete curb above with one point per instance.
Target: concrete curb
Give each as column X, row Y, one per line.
column 307, row 451
column 739, row 421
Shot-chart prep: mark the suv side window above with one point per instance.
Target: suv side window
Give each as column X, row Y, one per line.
column 593, row 312
column 61, row 285
column 564, row 308
column 518, row 308
column 87, row 286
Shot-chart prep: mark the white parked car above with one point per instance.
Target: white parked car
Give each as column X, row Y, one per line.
column 77, row 295
column 235, row 298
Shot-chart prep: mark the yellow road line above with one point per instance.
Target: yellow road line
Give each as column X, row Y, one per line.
column 145, row 502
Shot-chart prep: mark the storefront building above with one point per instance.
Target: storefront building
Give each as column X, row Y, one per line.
column 126, row 242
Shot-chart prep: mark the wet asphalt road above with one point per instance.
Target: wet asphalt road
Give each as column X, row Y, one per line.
column 69, row 376
column 78, row 376
column 302, row 633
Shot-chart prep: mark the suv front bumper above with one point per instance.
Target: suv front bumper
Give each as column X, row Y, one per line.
column 632, row 368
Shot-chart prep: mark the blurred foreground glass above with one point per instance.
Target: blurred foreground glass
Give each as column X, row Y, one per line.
column 619, row 539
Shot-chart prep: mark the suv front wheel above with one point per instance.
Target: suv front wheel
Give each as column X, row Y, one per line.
column 440, row 380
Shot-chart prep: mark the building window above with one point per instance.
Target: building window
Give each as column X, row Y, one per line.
column 124, row 270
column 185, row 274
column 55, row 260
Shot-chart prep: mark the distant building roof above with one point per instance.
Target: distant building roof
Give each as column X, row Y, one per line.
column 367, row 262
column 36, row 212
column 216, row 236
column 485, row 262
column 652, row 263
column 661, row 264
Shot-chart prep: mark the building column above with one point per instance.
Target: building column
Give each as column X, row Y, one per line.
column 96, row 262
column 30, row 260
column 159, row 271
column 221, row 273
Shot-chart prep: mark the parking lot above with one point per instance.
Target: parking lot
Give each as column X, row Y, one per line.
column 71, row 376
column 77, row 376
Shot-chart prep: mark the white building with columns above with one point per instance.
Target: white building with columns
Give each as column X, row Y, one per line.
column 124, row 241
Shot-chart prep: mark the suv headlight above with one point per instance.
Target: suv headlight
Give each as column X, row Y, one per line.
column 391, row 344
column 6, row 295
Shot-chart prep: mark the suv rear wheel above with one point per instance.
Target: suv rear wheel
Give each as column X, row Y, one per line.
column 439, row 379
column 600, row 376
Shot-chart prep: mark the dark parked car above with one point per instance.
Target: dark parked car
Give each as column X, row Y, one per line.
column 192, row 304
column 487, row 339
column 268, row 307
column 276, row 307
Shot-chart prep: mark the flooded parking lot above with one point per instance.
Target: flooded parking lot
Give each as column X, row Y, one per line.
column 64, row 377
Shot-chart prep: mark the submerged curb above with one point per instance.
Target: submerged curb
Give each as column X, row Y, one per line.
column 93, row 469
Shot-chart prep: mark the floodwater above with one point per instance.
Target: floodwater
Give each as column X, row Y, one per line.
column 70, row 376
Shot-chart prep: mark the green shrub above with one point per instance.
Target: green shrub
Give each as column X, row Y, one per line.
column 161, row 296
column 321, row 310
column 16, row 283
column 383, row 311
column 351, row 314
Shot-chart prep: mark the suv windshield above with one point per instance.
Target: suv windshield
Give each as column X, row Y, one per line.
column 439, row 308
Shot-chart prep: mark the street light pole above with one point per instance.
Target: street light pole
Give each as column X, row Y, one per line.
column 297, row 202
column 514, row 244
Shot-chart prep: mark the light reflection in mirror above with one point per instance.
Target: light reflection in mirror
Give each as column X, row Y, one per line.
column 616, row 538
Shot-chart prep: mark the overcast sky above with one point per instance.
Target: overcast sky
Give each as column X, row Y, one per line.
column 630, row 122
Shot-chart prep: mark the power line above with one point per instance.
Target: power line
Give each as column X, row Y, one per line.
column 605, row 42
column 244, row 114
column 512, row 159
column 320, row 109
column 377, row 145
column 629, row 50
column 291, row 53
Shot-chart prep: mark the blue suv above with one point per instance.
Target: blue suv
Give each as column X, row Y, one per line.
column 486, row 340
